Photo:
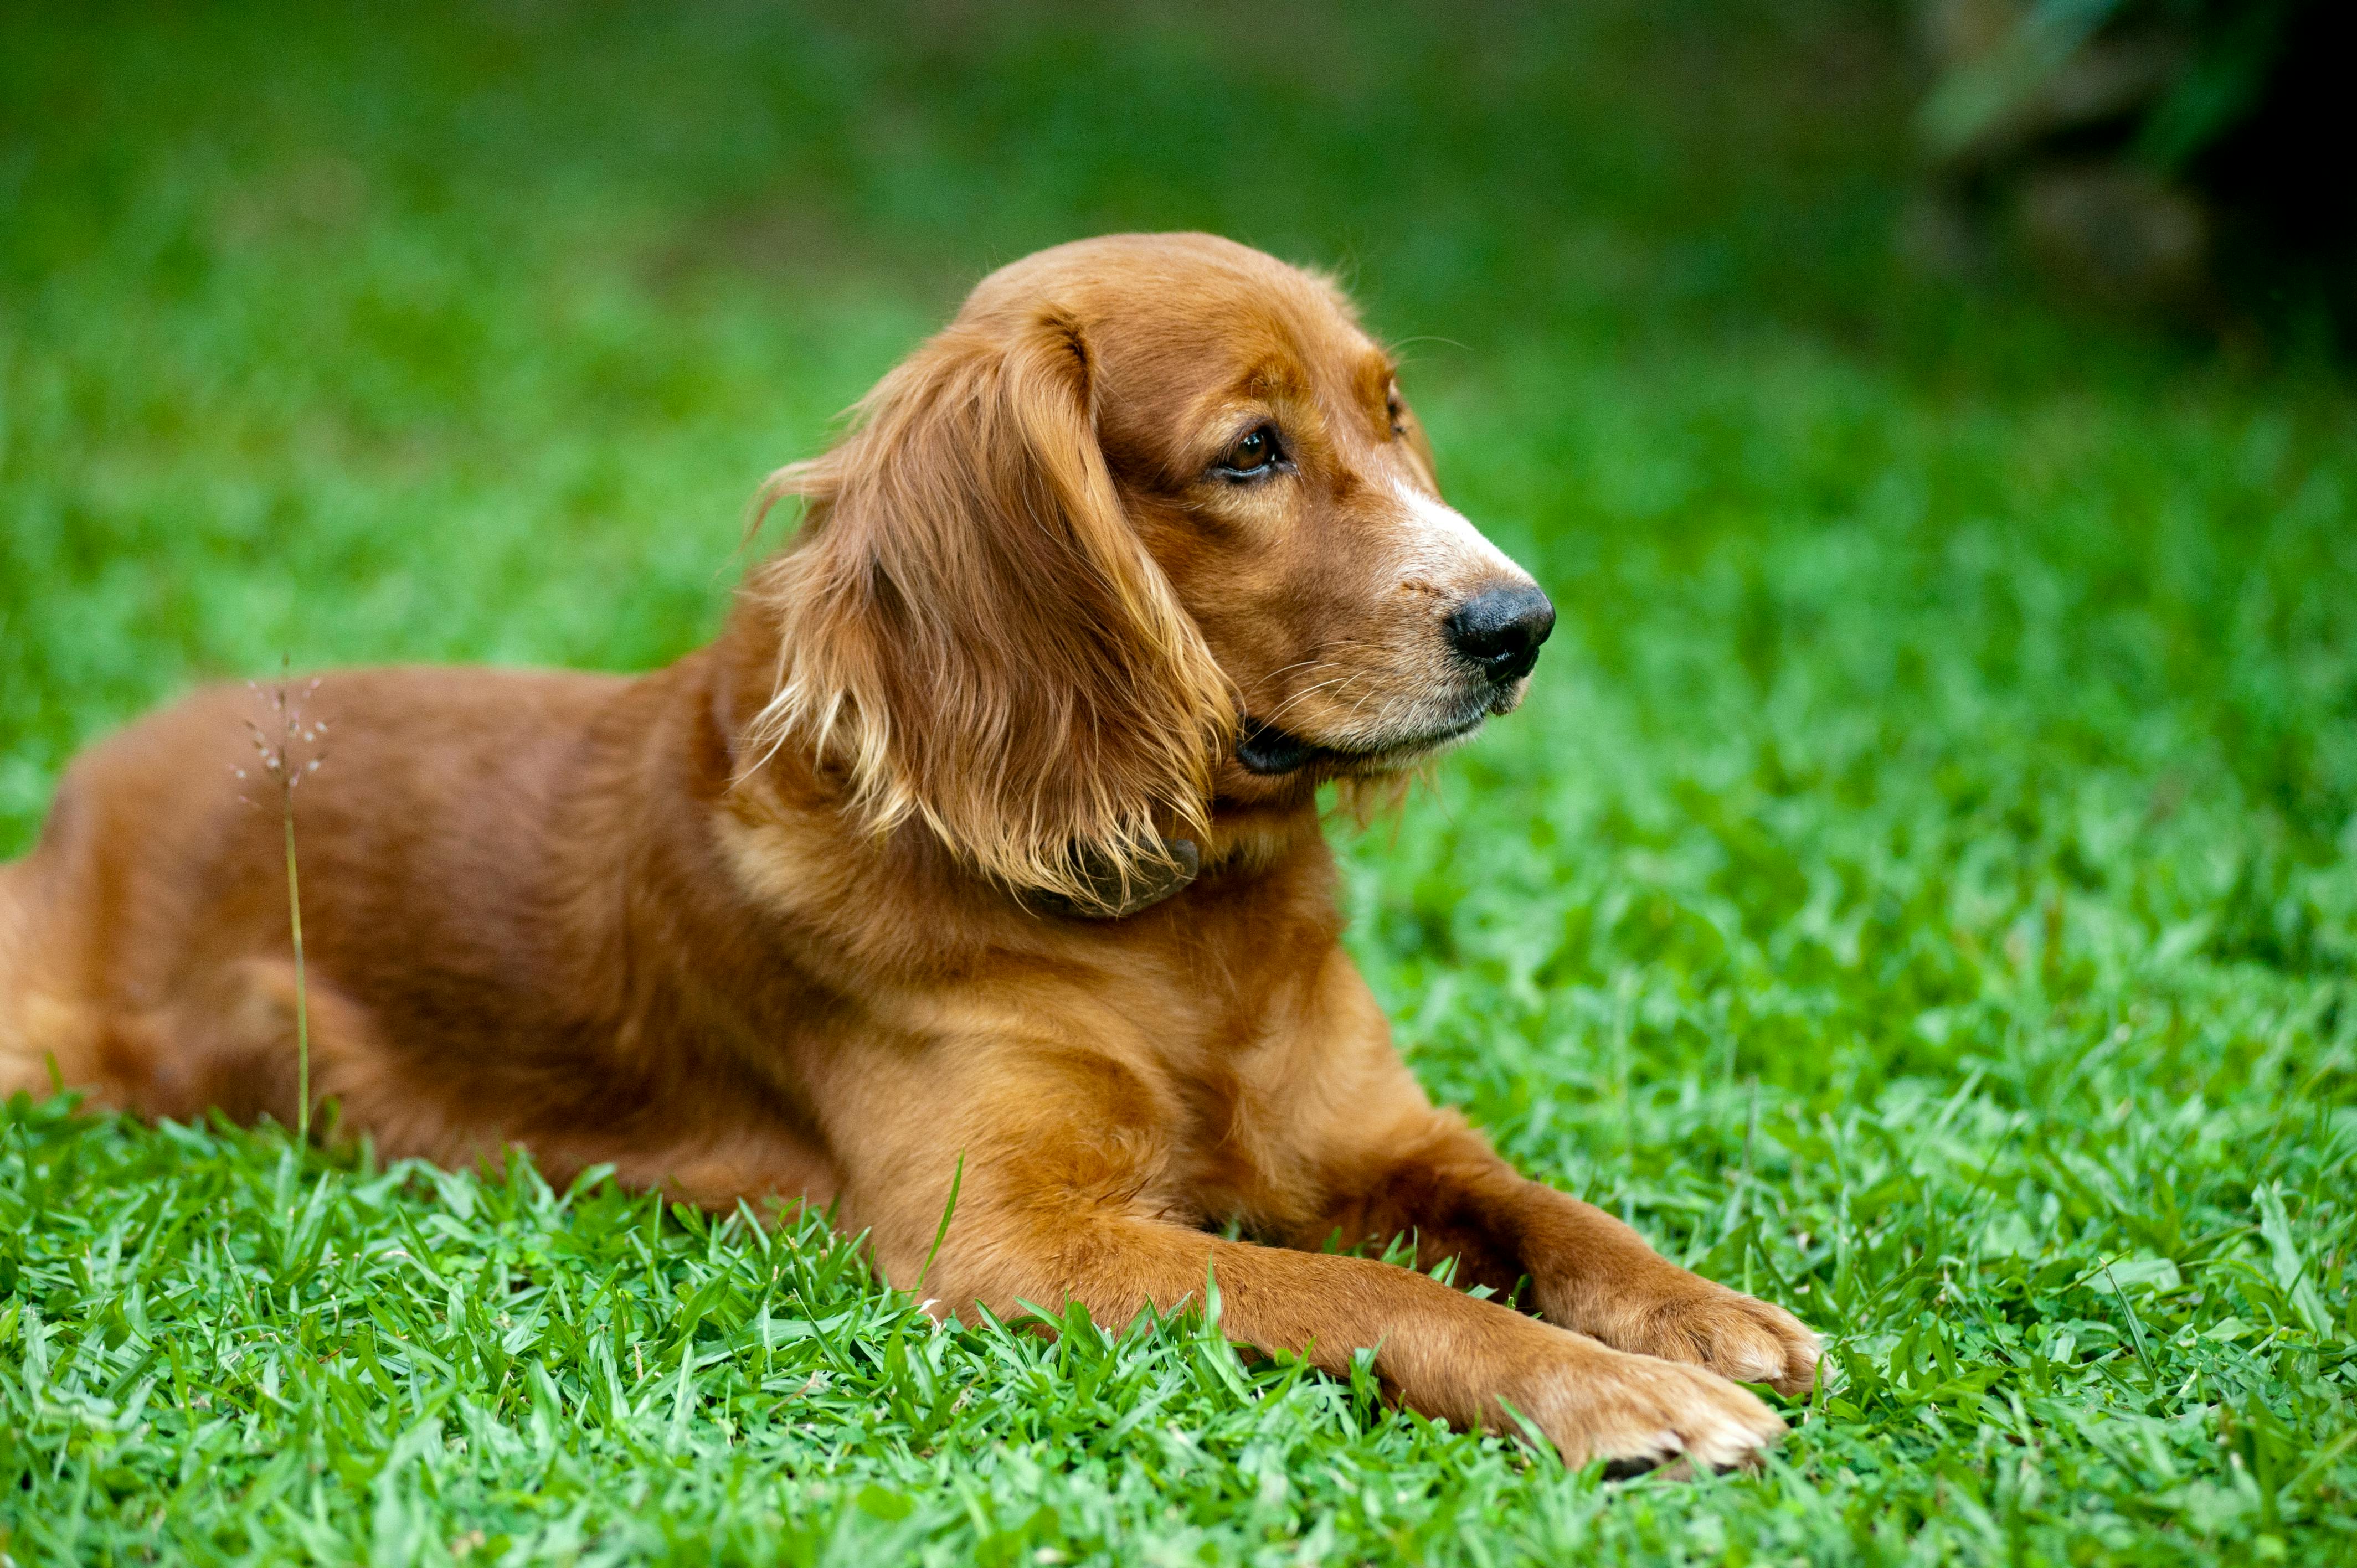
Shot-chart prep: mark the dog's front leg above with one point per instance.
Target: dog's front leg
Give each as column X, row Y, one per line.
column 1371, row 1159
column 1431, row 1177
column 1058, row 1159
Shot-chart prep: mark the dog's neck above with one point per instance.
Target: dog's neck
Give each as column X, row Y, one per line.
column 1255, row 823
column 1248, row 836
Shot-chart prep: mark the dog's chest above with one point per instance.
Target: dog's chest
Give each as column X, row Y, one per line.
column 1255, row 1078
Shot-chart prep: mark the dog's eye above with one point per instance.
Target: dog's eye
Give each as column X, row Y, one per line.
column 1398, row 411
column 1253, row 457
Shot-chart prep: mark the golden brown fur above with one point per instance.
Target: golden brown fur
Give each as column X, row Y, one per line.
column 862, row 894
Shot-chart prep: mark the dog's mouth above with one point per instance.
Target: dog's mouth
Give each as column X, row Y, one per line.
column 1273, row 752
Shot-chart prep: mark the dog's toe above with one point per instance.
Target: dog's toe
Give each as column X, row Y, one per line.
column 1637, row 1412
column 1734, row 1335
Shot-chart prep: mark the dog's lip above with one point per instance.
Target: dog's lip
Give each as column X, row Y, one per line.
column 1273, row 751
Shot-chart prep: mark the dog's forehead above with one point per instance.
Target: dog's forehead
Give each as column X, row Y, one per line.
column 1112, row 265
column 1194, row 308
column 1292, row 354
column 1242, row 342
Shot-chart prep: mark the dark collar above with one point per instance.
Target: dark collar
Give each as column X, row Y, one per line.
column 1117, row 894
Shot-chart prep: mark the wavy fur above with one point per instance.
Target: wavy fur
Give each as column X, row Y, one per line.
column 969, row 627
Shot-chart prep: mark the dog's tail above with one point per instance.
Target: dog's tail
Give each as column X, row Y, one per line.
column 16, row 918
column 24, row 1061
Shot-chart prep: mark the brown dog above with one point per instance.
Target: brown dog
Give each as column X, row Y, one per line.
column 982, row 845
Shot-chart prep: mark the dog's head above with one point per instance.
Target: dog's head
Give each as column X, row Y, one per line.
column 1149, row 523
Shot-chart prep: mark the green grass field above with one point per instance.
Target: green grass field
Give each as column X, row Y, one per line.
column 1919, row 888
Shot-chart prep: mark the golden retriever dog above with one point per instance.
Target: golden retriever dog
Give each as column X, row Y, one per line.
column 981, row 849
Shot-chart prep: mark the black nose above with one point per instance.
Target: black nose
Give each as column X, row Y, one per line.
column 1501, row 630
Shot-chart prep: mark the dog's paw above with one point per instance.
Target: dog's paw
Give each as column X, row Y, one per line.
column 1635, row 1411
column 1734, row 1335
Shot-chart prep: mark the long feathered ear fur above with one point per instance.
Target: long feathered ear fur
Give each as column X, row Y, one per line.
column 971, row 629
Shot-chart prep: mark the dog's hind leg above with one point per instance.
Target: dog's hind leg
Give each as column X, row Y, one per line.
column 226, row 1042
column 230, row 1044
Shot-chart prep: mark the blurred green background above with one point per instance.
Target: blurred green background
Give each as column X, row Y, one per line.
column 1921, row 878
column 382, row 332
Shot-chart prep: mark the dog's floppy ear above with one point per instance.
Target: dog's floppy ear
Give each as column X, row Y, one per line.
column 971, row 629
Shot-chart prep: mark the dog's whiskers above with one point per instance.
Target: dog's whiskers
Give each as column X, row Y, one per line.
column 1307, row 692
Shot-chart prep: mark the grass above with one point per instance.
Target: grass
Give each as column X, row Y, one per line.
column 1919, row 888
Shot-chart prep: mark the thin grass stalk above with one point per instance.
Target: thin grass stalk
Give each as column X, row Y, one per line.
column 302, row 991
column 282, row 762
